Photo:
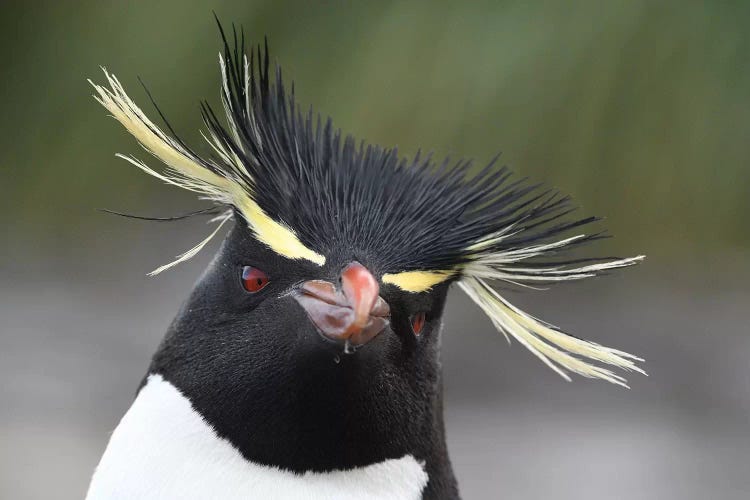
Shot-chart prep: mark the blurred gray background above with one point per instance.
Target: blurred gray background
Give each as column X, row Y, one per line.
column 639, row 109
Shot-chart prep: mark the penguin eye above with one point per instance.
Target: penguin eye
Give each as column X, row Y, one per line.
column 417, row 323
column 253, row 279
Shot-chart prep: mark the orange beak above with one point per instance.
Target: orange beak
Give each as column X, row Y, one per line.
column 353, row 314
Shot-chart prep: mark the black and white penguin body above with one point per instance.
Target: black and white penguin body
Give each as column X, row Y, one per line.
column 163, row 448
column 246, row 399
column 306, row 361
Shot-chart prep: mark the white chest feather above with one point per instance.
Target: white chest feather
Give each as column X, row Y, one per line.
column 164, row 449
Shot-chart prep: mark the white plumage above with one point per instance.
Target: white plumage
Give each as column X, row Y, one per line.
column 163, row 449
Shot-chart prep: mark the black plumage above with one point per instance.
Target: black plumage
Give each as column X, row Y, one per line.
column 419, row 213
column 256, row 369
column 324, row 368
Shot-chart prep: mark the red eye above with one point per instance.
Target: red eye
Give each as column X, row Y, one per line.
column 253, row 279
column 417, row 323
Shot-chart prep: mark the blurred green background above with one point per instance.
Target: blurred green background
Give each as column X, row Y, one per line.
column 639, row 109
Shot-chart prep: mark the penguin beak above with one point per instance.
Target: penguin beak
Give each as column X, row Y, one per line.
column 353, row 313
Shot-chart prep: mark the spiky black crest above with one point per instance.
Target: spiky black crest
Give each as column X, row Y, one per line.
column 333, row 190
column 309, row 192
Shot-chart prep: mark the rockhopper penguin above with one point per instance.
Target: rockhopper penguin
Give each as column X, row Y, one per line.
column 306, row 361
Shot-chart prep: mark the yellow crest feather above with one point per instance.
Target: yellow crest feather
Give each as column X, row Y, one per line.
column 416, row 281
column 280, row 238
column 186, row 172
column 556, row 349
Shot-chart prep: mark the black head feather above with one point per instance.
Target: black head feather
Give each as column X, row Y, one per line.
column 333, row 191
column 310, row 193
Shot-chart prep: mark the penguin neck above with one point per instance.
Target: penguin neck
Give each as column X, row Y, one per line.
column 320, row 413
column 260, row 375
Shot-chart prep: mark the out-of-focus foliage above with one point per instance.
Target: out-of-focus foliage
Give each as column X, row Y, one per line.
column 641, row 109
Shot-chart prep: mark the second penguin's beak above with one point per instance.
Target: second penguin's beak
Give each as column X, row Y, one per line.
column 353, row 313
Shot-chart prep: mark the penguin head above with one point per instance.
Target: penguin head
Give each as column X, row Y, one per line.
column 252, row 303
column 342, row 247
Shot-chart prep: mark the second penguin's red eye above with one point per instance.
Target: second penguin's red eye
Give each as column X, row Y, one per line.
column 253, row 279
